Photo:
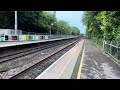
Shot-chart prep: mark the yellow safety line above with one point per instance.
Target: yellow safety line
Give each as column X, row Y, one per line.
column 80, row 67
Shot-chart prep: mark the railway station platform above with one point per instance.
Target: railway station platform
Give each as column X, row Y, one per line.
column 16, row 43
column 84, row 61
column 64, row 66
column 97, row 64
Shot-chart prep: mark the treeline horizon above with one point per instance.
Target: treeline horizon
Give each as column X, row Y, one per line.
column 103, row 25
column 36, row 21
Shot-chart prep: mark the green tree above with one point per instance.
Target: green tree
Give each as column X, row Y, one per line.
column 36, row 21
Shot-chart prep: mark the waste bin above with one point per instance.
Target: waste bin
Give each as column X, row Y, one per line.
column 30, row 37
column 43, row 37
column 6, row 38
column 36, row 37
column 1, row 39
column 25, row 38
column 40, row 37
column 46, row 37
column 21, row 38
column 14, row 38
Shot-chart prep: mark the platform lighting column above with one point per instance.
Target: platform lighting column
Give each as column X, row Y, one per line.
column 16, row 22
column 62, row 30
column 51, row 28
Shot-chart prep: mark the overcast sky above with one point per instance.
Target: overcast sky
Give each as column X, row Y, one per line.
column 72, row 17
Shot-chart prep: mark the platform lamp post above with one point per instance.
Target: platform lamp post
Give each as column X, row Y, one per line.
column 51, row 28
column 61, row 31
column 16, row 22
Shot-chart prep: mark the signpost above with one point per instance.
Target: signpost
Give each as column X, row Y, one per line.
column 100, row 25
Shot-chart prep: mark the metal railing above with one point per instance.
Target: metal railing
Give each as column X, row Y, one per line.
column 112, row 50
column 20, row 32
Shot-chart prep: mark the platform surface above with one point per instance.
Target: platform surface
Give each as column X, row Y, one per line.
column 64, row 66
column 92, row 63
column 98, row 65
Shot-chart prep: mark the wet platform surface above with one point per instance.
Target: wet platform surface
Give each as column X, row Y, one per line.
column 96, row 65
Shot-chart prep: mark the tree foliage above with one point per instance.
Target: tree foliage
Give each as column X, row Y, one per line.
column 102, row 23
column 36, row 21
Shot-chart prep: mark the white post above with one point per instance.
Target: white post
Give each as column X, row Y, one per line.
column 117, row 50
column 50, row 30
column 104, row 43
column 16, row 22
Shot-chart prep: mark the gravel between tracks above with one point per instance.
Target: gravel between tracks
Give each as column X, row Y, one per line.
column 40, row 67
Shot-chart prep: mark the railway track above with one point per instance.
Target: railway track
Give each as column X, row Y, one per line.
column 25, row 49
column 21, row 53
column 20, row 71
column 28, row 70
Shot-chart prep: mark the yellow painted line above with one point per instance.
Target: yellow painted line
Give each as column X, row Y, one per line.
column 80, row 67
